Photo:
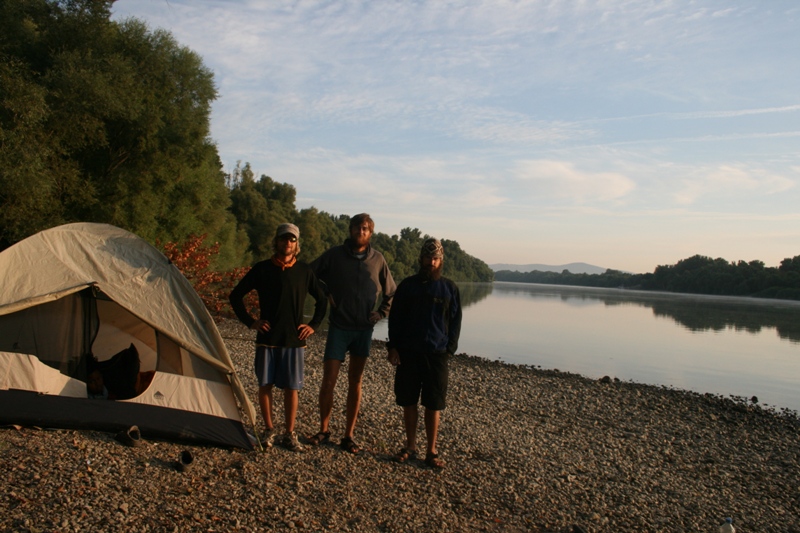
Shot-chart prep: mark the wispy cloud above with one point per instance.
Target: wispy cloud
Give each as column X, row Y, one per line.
column 561, row 179
column 702, row 114
column 607, row 117
column 730, row 181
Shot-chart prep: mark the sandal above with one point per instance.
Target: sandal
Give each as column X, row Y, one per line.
column 320, row 438
column 405, row 455
column 433, row 461
column 349, row 445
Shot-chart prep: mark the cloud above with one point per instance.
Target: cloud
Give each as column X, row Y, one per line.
column 481, row 196
column 567, row 116
column 723, row 12
column 732, row 113
column 561, row 179
column 326, row 178
column 701, row 114
column 729, row 181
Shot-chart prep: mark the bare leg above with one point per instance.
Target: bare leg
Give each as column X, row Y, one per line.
column 355, row 373
column 265, row 402
column 431, row 428
column 290, row 400
column 411, row 418
column 330, row 374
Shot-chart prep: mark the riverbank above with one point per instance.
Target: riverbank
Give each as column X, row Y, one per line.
column 526, row 450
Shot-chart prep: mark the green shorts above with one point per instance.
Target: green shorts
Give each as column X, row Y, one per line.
column 340, row 341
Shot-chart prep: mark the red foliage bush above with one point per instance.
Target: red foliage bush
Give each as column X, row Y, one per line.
column 193, row 259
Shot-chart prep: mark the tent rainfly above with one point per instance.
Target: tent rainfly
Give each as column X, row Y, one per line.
column 76, row 295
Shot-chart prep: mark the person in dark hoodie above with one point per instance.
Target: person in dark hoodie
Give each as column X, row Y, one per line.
column 424, row 328
column 282, row 284
column 353, row 275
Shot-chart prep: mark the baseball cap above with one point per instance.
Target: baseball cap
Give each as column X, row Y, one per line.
column 283, row 229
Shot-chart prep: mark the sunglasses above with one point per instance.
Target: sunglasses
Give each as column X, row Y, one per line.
column 288, row 237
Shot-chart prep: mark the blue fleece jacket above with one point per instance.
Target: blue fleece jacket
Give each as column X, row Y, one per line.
column 426, row 316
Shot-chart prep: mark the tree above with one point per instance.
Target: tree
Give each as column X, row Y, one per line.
column 259, row 207
column 106, row 122
column 790, row 265
column 697, row 274
column 402, row 256
column 32, row 169
column 318, row 232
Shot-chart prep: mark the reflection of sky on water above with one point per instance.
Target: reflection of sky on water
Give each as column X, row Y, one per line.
column 695, row 312
column 728, row 346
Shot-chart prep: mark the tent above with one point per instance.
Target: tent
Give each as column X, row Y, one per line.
column 76, row 295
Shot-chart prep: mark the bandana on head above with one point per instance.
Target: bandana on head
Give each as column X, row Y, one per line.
column 432, row 248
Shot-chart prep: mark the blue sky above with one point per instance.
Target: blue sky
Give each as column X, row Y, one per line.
column 625, row 134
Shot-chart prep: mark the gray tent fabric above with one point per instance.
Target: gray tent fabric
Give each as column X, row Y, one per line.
column 85, row 290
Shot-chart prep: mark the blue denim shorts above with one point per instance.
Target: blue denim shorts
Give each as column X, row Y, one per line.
column 282, row 367
column 340, row 341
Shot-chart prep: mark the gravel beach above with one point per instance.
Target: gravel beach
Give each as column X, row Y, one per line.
column 526, row 450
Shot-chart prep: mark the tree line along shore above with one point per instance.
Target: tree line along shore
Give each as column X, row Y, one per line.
column 694, row 275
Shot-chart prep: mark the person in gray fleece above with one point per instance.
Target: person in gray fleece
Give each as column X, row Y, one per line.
column 353, row 276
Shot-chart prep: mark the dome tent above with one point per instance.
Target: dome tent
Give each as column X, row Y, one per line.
column 85, row 291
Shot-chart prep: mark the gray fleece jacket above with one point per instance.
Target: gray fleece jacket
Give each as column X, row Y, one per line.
column 355, row 284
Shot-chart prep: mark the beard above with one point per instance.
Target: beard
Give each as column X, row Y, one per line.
column 360, row 241
column 431, row 274
column 285, row 248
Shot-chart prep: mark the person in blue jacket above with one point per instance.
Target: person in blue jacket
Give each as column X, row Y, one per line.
column 424, row 327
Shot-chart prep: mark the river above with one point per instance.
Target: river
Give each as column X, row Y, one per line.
column 742, row 347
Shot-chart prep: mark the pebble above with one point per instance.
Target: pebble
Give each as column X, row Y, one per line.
column 527, row 449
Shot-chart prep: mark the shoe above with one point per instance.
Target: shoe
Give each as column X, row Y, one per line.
column 130, row 437
column 320, row 438
column 185, row 461
column 405, row 455
column 433, row 461
column 268, row 438
column 349, row 445
column 291, row 443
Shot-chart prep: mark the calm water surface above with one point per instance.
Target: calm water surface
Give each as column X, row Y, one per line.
column 723, row 345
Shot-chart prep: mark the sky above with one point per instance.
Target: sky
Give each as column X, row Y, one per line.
column 624, row 134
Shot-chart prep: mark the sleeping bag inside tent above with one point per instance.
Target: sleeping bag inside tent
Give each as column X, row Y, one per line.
column 98, row 330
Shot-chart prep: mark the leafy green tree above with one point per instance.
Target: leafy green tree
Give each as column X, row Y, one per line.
column 106, row 122
column 407, row 253
column 388, row 247
column 33, row 170
column 790, row 264
column 461, row 266
column 697, row 274
column 318, row 232
column 259, row 207
column 402, row 256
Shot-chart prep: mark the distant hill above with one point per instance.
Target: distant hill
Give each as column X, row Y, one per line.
column 575, row 268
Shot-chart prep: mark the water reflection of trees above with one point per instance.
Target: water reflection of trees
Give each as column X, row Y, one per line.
column 472, row 293
column 704, row 316
column 692, row 312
